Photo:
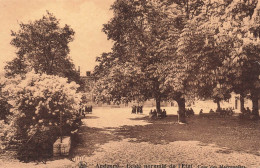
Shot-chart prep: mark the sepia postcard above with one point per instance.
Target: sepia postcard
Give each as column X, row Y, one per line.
column 129, row 83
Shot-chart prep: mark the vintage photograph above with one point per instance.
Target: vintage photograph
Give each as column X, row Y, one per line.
column 129, row 83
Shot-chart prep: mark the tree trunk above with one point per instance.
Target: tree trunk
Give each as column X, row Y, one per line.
column 181, row 114
column 242, row 102
column 157, row 95
column 255, row 91
column 255, row 96
column 158, row 104
column 218, row 105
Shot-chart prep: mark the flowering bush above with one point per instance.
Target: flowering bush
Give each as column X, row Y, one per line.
column 40, row 103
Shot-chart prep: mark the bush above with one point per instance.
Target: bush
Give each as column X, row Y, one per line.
column 38, row 102
column 39, row 147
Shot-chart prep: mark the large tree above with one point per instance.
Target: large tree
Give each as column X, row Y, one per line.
column 197, row 49
column 180, row 50
column 142, row 48
column 220, row 45
column 240, row 31
column 144, row 63
column 42, row 45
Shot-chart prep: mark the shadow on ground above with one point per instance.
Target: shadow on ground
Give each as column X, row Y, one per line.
column 89, row 139
column 232, row 134
column 92, row 117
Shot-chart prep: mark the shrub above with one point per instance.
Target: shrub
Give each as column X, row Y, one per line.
column 38, row 101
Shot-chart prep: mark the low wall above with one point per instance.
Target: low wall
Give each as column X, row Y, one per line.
column 62, row 149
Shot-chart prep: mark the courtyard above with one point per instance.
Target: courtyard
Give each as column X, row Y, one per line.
column 115, row 137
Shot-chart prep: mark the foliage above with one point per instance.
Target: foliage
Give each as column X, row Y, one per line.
column 37, row 103
column 180, row 50
column 221, row 48
column 4, row 105
column 16, row 66
column 144, row 63
column 43, row 46
column 135, row 70
column 240, row 30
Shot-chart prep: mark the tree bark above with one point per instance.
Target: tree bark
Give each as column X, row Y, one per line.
column 218, row 105
column 242, row 102
column 181, row 114
column 255, row 90
column 157, row 95
column 158, row 104
column 255, row 97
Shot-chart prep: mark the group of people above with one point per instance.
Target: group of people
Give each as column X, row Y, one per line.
column 137, row 109
column 222, row 111
column 189, row 112
column 85, row 109
column 246, row 112
column 225, row 111
column 159, row 114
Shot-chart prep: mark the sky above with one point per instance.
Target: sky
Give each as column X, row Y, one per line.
column 86, row 18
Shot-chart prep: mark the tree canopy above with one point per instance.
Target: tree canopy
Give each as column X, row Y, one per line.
column 141, row 51
column 42, row 46
column 179, row 50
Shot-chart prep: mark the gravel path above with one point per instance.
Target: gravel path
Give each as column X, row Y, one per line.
column 180, row 152
column 126, row 151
